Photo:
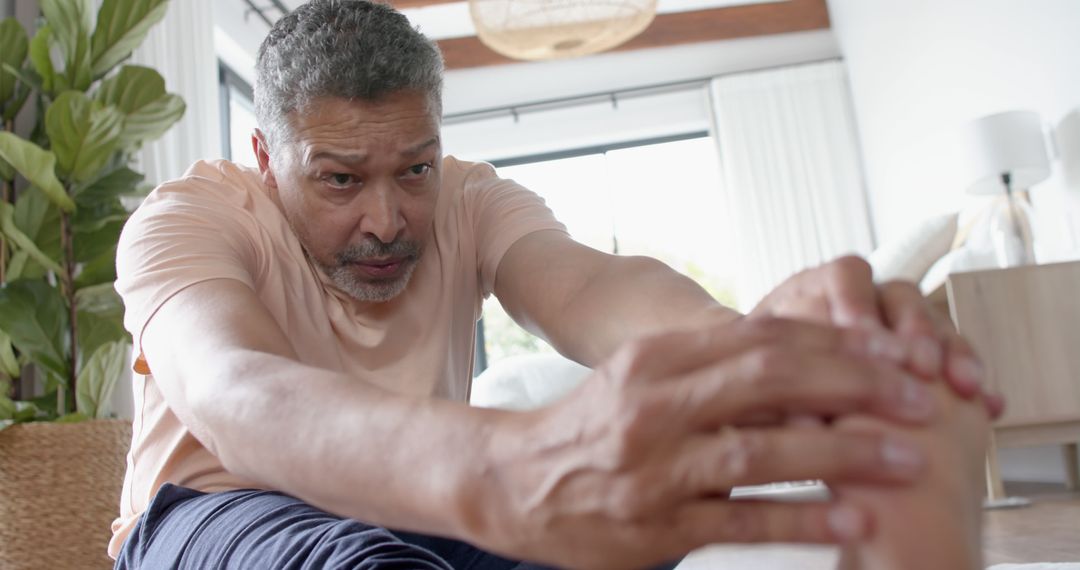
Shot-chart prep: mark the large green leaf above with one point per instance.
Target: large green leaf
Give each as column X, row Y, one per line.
column 17, row 267
column 8, row 363
column 21, row 241
column 72, row 21
column 99, row 270
column 120, row 182
column 40, row 48
column 98, row 378
column 7, row 408
column 96, row 329
column 34, row 315
column 7, row 172
column 121, row 27
column 139, row 93
column 93, row 216
column 14, row 44
column 36, row 165
column 23, row 90
column 39, row 219
column 73, row 418
column 101, row 300
column 92, row 244
column 84, row 134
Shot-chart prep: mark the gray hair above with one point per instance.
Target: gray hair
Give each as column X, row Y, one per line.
column 352, row 49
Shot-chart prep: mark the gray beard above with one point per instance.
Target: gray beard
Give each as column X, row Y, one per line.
column 369, row 291
column 344, row 277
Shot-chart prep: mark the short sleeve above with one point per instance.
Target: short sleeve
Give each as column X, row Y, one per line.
column 502, row 212
column 186, row 232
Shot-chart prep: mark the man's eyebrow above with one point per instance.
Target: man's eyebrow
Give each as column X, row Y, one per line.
column 360, row 157
column 344, row 158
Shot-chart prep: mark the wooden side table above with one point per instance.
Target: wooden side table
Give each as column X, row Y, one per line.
column 1025, row 324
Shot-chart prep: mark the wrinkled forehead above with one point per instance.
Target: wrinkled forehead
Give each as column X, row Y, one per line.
column 397, row 122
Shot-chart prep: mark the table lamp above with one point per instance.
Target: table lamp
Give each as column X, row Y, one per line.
column 1005, row 154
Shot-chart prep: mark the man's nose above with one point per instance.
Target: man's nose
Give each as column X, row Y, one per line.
column 381, row 215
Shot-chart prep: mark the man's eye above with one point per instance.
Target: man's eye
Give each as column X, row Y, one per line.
column 340, row 179
column 418, row 169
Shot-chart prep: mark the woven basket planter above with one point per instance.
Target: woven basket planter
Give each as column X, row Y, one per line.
column 59, row 493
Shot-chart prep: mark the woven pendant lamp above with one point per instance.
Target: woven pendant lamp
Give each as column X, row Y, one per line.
column 553, row 29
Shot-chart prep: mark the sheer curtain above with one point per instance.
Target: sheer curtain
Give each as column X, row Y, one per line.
column 791, row 169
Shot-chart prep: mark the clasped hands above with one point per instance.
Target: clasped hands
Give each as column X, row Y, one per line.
column 635, row 467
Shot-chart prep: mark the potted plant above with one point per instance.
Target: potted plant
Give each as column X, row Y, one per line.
column 66, row 186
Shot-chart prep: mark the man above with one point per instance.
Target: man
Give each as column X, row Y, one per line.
column 306, row 337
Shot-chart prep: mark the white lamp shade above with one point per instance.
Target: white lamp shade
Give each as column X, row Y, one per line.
column 1010, row 142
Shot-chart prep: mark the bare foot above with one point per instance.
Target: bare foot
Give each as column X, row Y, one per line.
column 936, row 524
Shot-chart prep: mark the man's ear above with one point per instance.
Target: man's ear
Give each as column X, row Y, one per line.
column 262, row 154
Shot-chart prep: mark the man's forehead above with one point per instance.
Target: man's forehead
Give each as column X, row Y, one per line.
column 312, row 151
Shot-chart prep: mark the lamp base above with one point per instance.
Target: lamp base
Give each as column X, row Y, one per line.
column 1011, row 232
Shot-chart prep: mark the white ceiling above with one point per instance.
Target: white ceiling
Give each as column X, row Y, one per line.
column 451, row 20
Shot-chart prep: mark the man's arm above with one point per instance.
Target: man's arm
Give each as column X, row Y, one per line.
column 229, row 373
column 578, row 484
column 587, row 303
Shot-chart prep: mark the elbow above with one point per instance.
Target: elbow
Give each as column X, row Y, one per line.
column 223, row 416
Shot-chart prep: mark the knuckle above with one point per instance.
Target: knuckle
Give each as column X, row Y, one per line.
column 767, row 367
column 767, row 329
column 742, row 450
column 639, row 418
column 631, row 359
column 849, row 265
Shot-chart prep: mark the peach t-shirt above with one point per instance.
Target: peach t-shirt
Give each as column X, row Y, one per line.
column 217, row 221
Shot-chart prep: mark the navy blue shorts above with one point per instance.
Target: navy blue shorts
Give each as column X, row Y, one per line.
column 184, row 529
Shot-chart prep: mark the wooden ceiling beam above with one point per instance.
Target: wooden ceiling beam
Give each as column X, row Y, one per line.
column 676, row 29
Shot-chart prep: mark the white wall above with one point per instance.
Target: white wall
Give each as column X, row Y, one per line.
column 919, row 68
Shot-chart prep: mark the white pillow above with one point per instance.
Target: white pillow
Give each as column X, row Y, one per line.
column 966, row 258
column 910, row 256
column 526, row 382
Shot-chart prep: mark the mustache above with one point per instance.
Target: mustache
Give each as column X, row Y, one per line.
column 375, row 249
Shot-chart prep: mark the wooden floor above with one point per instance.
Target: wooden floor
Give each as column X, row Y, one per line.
column 1047, row 531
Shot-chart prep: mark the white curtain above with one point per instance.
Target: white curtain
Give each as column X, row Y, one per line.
column 792, row 173
column 181, row 49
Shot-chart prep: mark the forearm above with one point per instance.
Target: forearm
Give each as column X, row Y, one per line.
column 628, row 298
column 345, row 445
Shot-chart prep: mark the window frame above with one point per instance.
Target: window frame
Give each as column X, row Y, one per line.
column 480, row 360
column 228, row 81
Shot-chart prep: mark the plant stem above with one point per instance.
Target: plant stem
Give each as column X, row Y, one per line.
column 8, row 190
column 68, row 289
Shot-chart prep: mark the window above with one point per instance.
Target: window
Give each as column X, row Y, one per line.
column 237, row 117
column 657, row 198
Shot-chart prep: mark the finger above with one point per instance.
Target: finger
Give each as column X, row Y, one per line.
column 995, row 404
column 739, row 457
column 852, row 295
column 908, row 314
column 678, row 352
column 716, row 521
column 963, row 368
column 793, row 381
